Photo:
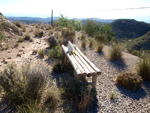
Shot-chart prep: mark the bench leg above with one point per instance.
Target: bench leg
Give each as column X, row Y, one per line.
column 94, row 79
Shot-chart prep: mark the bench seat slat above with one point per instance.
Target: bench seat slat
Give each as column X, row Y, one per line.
column 87, row 60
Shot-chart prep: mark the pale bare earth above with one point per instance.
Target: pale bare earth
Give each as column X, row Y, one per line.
column 125, row 101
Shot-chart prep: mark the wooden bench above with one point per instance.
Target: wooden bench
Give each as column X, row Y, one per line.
column 81, row 64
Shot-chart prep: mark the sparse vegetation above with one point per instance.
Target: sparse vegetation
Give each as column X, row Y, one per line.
column 143, row 68
column 17, row 24
column 83, row 37
column 24, row 28
column 27, row 37
column 83, row 43
column 36, row 33
column 21, row 39
column 99, row 47
column 41, row 52
column 91, row 43
column 57, row 35
column 116, row 52
column 35, row 51
column 130, row 81
column 16, row 44
column 28, row 89
column 112, row 95
column 2, row 37
column 52, row 41
column 55, row 52
column 50, row 32
column 68, row 34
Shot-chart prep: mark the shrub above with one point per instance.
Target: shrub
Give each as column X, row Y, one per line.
column 8, row 25
column 116, row 52
column 130, row 81
column 112, row 95
column 21, row 39
column 68, row 34
column 2, row 37
column 27, row 37
column 36, row 33
column 52, row 41
column 37, row 26
column 35, row 51
column 16, row 44
column 100, row 47
column 50, row 32
column 31, row 30
column 58, row 29
column 83, row 43
column 27, row 89
column 41, row 52
column 143, row 68
column 24, row 28
column 56, row 34
column 17, row 24
column 48, row 27
column 83, row 37
column 83, row 93
column 100, row 38
column 55, row 52
column 60, row 41
column 91, row 43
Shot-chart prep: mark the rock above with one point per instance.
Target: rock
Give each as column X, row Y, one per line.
column 23, row 52
column 20, row 50
column 19, row 55
column 52, row 41
column 9, row 58
column 41, row 34
column 23, row 47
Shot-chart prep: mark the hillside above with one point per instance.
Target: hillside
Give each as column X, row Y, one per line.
column 142, row 42
column 129, row 28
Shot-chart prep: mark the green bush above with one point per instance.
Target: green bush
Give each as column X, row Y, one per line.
column 2, row 37
column 27, row 37
column 115, row 52
column 100, row 38
column 143, row 68
column 16, row 44
column 83, row 37
column 130, row 81
column 57, row 35
column 41, row 52
column 55, row 52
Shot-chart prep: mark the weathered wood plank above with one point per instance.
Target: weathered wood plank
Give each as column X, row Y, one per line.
column 87, row 60
column 76, row 69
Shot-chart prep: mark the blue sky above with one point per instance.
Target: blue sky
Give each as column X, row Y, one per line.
column 77, row 8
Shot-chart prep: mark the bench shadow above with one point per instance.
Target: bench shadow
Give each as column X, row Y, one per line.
column 135, row 95
column 120, row 65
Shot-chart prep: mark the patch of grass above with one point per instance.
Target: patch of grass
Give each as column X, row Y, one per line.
column 41, row 52
column 7, row 45
column 55, row 52
column 31, row 30
column 60, row 40
column 24, row 28
column 33, row 24
column 115, row 52
column 16, row 44
column 37, row 26
column 58, row 29
column 36, row 33
column 91, row 43
column 50, row 32
column 83, row 43
column 57, row 35
column 112, row 95
column 143, row 68
column 48, row 27
column 17, row 24
column 2, row 37
column 99, row 47
column 27, row 37
column 42, row 27
column 21, row 39
column 130, row 81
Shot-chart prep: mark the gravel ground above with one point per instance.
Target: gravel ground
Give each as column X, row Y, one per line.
column 125, row 100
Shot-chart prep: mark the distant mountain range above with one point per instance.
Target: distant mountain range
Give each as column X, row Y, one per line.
column 48, row 19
